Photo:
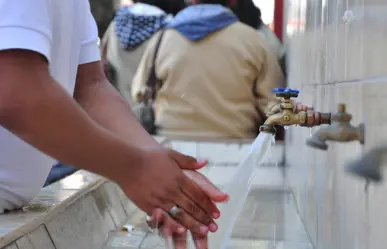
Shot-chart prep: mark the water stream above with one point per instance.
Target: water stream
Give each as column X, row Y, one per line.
column 238, row 188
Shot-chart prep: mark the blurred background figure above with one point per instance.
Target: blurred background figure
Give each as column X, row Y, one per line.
column 216, row 73
column 126, row 38
column 249, row 14
column 103, row 12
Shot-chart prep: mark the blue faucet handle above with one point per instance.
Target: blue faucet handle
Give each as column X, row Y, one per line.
column 286, row 93
column 281, row 90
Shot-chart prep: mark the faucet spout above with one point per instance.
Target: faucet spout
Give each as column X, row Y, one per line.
column 341, row 130
column 369, row 165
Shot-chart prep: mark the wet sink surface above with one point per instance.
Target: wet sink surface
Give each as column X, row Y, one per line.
column 262, row 217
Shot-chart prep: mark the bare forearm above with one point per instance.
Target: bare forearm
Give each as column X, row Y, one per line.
column 45, row 116
column 105, row 105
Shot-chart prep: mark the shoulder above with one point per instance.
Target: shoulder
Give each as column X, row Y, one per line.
column 272, row 41
column 248, row 37
column 26, row 25
column 110, row 32
column 246, row 32
column 24, row 13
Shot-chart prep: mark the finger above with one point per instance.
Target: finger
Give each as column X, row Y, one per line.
column 181, row 158
column 185, row 202
column 156, row 220
column 172, row 225
column 182, row 217
column 161, row 219
column 200, row 205
column 180, row 241
column 200, row 164
column 201, row 184
column 206, row 186
column 186, row 162
column 190, row 223
column 166, row 233
column 200, row 241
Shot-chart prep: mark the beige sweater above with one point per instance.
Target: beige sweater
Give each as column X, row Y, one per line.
column 207, row 85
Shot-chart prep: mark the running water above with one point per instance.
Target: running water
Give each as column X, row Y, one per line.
column 238, row 189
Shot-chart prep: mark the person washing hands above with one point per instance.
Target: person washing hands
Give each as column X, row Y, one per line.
column 55, row 102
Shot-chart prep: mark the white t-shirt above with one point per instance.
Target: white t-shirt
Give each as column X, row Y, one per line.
column 65, row 32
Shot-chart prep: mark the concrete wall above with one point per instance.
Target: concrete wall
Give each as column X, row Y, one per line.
column 77, row 212
column 332, row 61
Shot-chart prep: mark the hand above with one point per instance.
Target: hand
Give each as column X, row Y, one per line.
column 158, row 182
column 169, row 227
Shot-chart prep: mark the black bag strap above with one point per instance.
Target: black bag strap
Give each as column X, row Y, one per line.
column 152, row 78
column 256, row 96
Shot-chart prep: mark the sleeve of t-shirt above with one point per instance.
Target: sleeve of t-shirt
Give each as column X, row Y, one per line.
column 26, row 25
column 89, row 44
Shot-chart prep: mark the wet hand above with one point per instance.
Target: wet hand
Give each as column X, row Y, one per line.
column 170, row 228
column 158, row 182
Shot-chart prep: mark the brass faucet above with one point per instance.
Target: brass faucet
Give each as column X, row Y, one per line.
column 298, row 107
column 288, row 115
column 341, row 130
column 369, row 165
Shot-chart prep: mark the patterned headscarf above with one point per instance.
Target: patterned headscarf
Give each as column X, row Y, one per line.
column 132, row 29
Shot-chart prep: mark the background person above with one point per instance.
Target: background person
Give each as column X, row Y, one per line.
column 249, row 14
column 216, row 74
column 127, row 36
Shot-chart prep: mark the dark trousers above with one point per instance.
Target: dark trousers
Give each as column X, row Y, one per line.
column 58, row 172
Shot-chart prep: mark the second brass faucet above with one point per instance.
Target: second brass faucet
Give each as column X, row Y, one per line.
column 289, row 116
column 341, row 130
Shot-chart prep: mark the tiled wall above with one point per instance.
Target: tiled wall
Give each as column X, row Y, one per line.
column 332, row 61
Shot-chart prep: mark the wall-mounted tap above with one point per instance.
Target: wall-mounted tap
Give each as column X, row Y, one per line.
column 341, row 130
column 298, row 107
column 287, row 115
column 369, row 165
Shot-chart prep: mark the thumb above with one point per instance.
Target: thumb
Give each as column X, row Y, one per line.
column 206, row 186
column 186, row 162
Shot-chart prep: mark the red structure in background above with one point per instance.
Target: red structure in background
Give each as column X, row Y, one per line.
column 279, row 18
column 278, row 30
